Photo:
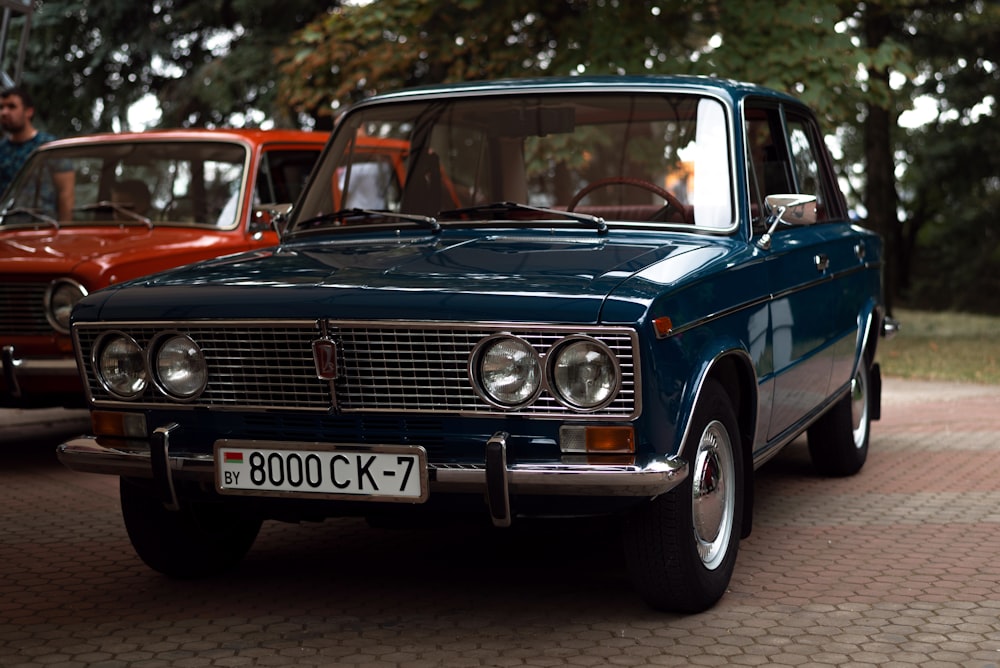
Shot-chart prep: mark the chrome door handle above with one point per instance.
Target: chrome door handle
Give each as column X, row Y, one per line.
column 821, row 261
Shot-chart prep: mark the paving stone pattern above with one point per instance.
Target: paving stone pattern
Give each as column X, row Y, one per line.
column 897, row 566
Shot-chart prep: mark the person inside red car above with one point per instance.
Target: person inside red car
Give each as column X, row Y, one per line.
column 131, row 199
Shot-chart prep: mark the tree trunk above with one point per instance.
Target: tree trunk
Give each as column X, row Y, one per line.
column 880, row 196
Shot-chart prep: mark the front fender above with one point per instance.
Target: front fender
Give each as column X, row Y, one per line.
column 730, row 363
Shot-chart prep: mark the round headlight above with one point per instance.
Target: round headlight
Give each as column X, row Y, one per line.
column 180, row 366
column 508, row 372
column 121, row 365
column 584, row 374
column 60, row 298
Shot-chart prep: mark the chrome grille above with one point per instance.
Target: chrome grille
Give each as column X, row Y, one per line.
column 250, row 365
column 410, row 368
column 22, row 309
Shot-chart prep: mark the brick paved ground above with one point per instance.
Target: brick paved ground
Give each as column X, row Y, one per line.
column 895, row 567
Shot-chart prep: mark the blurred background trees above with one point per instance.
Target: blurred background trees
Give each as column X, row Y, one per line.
column 929, row 182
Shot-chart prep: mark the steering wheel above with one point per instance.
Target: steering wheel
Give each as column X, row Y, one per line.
column 626, row 181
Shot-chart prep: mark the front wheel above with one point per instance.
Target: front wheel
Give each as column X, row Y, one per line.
column 681, row 547
column 838, row 441
column 199, row 539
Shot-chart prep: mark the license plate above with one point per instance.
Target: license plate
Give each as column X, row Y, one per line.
column 318, row 470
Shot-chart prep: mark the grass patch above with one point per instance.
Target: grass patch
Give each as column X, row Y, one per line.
column 943, row 346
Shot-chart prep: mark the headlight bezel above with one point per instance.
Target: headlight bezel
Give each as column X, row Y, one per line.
column 481, row 383
column 162, row 380
column 550, row 387
column 140, row 378
column 53, row 308
column 559, row 389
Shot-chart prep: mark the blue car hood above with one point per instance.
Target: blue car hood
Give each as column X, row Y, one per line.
column 515, row 276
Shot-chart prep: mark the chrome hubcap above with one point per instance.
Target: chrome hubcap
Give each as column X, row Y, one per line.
column 712, row 494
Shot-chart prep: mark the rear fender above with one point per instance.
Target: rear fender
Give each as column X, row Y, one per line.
column 869, row 327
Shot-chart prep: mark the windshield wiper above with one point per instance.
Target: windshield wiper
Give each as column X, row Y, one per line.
column 107, row 205
column 36, row 214
column 429, row 221
column 505, row 207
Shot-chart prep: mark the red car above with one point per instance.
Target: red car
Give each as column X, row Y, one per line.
column 135, row 204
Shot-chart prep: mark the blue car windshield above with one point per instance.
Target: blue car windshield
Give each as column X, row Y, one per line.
column 627, row 158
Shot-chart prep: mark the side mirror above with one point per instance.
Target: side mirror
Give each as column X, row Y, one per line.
column 787, row 210
column 269, row 217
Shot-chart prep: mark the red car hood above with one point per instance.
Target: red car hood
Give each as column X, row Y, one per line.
column 100, row 255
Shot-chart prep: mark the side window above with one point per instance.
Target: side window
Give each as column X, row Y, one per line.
column 371, row 183
column 805, row 158
column 283, row 174
column 784, row 155
column 768, row 168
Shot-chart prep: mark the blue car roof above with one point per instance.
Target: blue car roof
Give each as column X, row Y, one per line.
column 732, row 89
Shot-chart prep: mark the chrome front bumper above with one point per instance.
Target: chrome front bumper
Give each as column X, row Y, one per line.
column 17, row 368
column 497, row 478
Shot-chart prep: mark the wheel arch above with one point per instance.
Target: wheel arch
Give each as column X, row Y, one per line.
column 871, row 324
column 733, row 369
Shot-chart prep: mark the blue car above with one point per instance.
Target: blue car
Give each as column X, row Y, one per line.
column 608, row 296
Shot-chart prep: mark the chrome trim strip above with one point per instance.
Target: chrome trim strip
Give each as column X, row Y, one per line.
column 659, row 476
column 674, row 331
column 334, row 323
column 757, row 302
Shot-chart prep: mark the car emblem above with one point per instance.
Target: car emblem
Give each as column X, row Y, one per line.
column 325, row 357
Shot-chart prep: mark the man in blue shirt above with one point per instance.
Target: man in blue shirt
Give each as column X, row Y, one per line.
column 16, row 113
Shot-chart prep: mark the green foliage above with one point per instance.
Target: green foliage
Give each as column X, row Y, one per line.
column 83, row 77
column 955, row 198
column 950, row 187
column 355, row 51
column 209, row 62
column 931, row 192
column 799, row 48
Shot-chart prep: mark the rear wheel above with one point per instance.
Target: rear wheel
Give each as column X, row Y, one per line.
column 838, row 441
column 199, row 539
column 681, row 547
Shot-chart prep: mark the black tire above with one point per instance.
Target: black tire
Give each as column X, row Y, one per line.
column 681, row 547
column 838, row 441
column 198, row 540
